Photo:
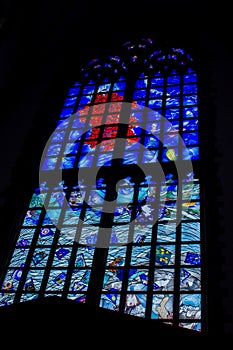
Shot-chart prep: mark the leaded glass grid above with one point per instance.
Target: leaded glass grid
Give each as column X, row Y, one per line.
column 152, row 267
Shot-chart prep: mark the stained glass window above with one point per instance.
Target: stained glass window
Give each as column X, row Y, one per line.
column 120, row 190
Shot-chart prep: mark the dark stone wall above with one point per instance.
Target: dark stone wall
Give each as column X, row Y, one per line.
column 44, row 44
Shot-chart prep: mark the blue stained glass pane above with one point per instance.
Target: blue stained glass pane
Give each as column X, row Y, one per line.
column 141, row 83
column 61, row 257
column 168, row 193
column 86, row 161
column 190, row 138
column 156, row 92
column 56, row 280
column 191, row 210
column 71, row 216
column 73, row 91
column 135, row 304
column 76, row 84
column 130, row 158
column 104, row 88
column 150, row 156
column 92, row 216
column 49, row 164
column 138, row 280
column 141, row 103
column 116, row 256
column 190, row 306
column 7, row 299
column 28, row 296
column 157, row 81
column 79, row 298
column 190, row 254
column 154, row 115
column 51, row 217
column 33, row 281
column 173, row 90
column 70, row 101
column 164, row 279
column 78, row 124
column 191, row 153
column 190, row 70
column 113, row 279
column 46, row 235
column 190, row 279
column 155, row 103
column 91, row 82
column 110, row 300
column 66, row 112
column 190, row 100
column 190, row 124
column 190, row 89
column 174, row 71
column 67, row 235
column 56, row 199
column 40, row 257
column 54, row 149
column 71, row 148
column 37, row 200
column 190, row 78
column 76, row 197
column 172, row 113
column 58, row 136
column 25, row 237
column 190, row 191
column 173, row 79
column 190, row 231
column 75, row 135
column 139, row 94
column 153, row 128
column 96, row 197
column 136, row 117
column 120, row 234
column 79, row 280
column 142, row 234
column 31, row 218
column 62, row 124
column 172, row 127
column 67, row 163
column 190, row 112
column 165, row 255
column 88, row 90
column 170, row 102
column 104, row 159
column 140, row 255
column 162, row 306
column 171, row 140
column 84, row 100
column 170, row 178
column 12, row 279
column 19, row 257
column 195, row 326
column 166, row 232
column 119, row 86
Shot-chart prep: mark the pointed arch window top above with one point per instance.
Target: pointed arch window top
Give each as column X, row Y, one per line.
column 136, row 57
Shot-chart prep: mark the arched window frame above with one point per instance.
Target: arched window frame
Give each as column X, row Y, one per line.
column 95, row 68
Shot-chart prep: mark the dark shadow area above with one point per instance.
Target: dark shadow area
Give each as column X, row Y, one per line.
column 67, row 317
